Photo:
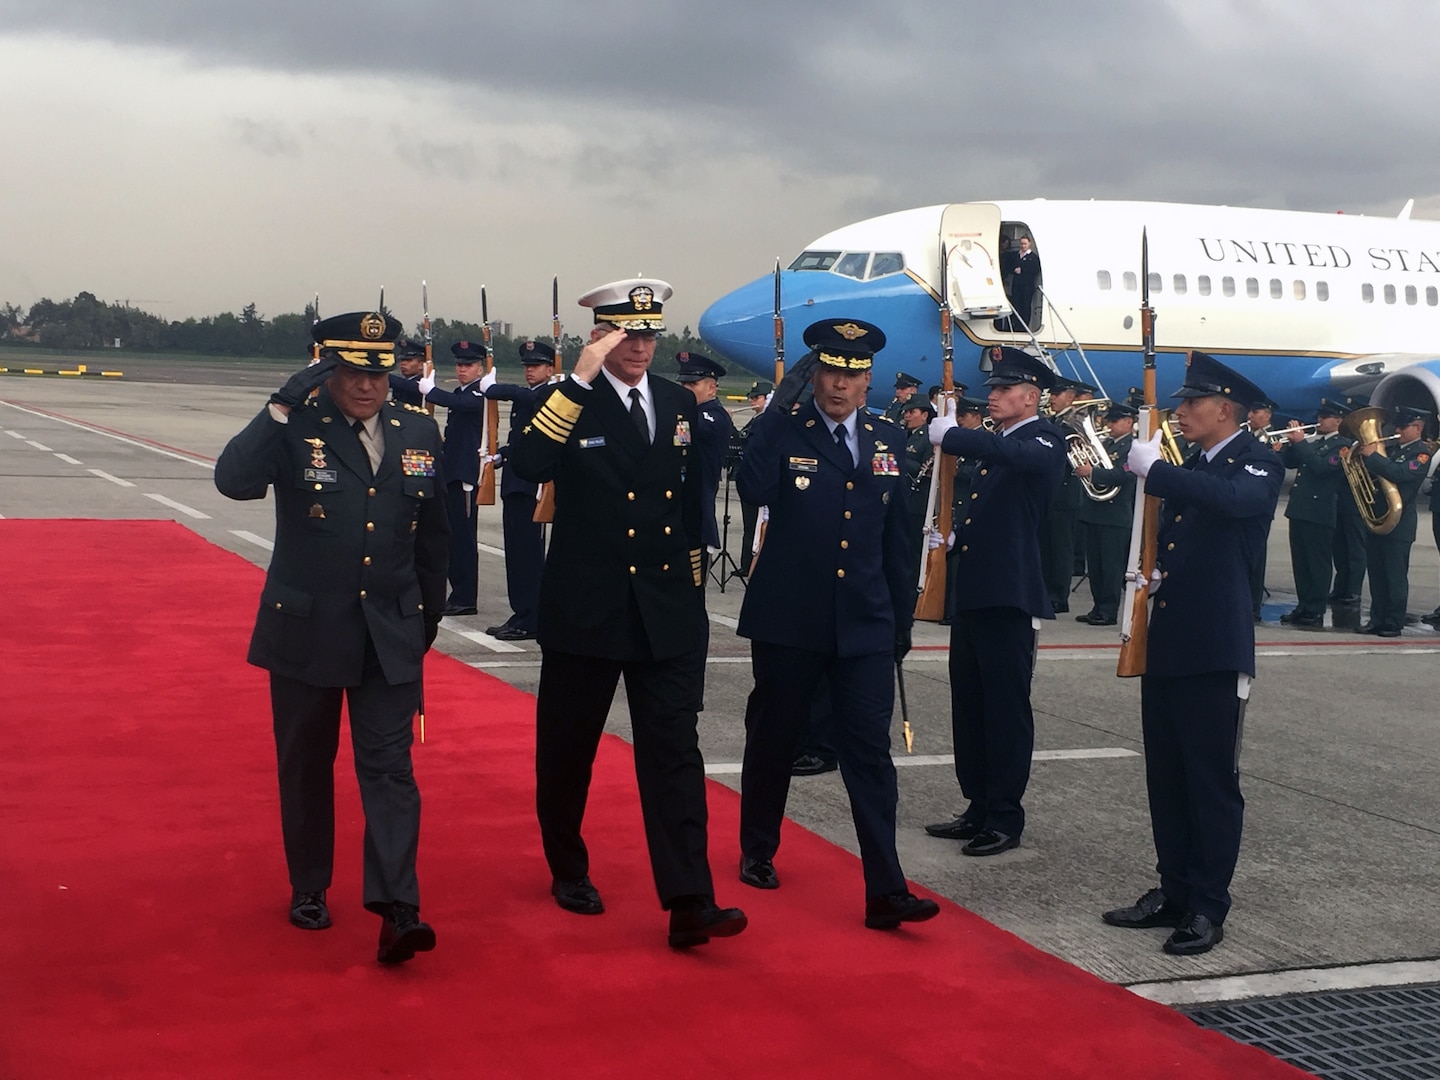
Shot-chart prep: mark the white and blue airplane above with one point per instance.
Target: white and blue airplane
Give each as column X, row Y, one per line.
column 1306, row 305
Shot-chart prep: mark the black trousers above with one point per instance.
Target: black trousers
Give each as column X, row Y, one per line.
column 1057, row 554
column 307, row 736
column 1312, row 547
column 1350, row 533
column 992, row 660
column 464, row 556
column 1192, row 732
column 1388, row 562
column 524, row 558
column 572, row 704
column 862, row 701
column 1109, row 550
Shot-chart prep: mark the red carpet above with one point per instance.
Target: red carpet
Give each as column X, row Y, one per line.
column 145, row 931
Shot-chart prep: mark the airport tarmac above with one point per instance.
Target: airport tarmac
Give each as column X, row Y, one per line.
column 1341, row 860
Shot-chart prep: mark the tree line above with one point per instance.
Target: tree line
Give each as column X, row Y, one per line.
column 87, row 323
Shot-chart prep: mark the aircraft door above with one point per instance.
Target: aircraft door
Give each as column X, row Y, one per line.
column 971, row 235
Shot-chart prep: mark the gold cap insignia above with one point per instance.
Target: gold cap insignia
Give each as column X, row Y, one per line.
column 642, row 297
column 372, row 327
column 850, row 332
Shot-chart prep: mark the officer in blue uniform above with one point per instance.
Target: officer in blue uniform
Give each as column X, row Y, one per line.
column 524, row 536
column 1311, row 510
column 1000, row 598
column 918, row 464
column 969, row 413
column 351, row 604
column 712, row 439
column 832, row 594
column 1387, row 557
column 410, row 366
column 1201, row 655
column 755, row 397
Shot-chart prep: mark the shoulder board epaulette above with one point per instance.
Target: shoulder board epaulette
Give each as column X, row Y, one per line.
column 412, row 408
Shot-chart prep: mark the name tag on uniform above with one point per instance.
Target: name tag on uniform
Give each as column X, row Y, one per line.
column 594, row 440
column 682, row 432
column 322, row 476
column 884, row 465
column 417, row 463
column 804, row 464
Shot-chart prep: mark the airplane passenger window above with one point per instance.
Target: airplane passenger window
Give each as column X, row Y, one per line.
column 1179, row 284
column 815, row 260
column 1277, row 290
column 1432, row 297
column 1367, row 293
column 1299, row 289
column 1102, row 278
column 852, row 264
column 1130, row 282
column 1411, row 297
column 1389, row 294
column 1203, row 284
column 886, row 262
column 1227, row 286
column 1252, row 288
column 1156, row 283
column 1322, row 290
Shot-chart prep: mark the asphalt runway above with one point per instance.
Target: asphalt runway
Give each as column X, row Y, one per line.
column 1341, row 858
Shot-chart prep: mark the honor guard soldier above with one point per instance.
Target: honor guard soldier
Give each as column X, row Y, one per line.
column 351, row 603
column 755, row 397
column 464, row 425
column 1201, row 653
column 712, row 440
column 524, row 536
column 1387, row 557
column 1107, row 523
column 622, row 594
column 919, row 464
column 832, row 595
column 905, row 389
column 970, row 413
column 1000, row 598
column 1311, row 509
column 410, row 366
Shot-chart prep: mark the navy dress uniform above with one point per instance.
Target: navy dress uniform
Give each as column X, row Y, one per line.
column 1315, row 496
column 405, row 388
column 464, row 428
column 1107, row 527
column 622, row 594
column 1000, row 598
column 964, row 477
column 919, row 463
column 893, row 411
column 832, row 596
column 1387, row 557
column 524, row 536
column 712, row 441
column 1060, row 525
column 1200, row 658
column 350, row 605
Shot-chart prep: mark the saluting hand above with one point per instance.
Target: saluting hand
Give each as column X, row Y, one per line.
column 300, row 385
column 603, row 341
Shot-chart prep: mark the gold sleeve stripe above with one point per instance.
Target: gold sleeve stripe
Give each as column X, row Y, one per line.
column 562, row 408
column 547, row 427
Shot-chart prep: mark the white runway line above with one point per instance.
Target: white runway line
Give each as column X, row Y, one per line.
column 111, row 435
column 1279, row 983
column 258, row 541
column 732, row 768
column 68, row 459
column 724, row 620
column 482, row 639
column 113, row 479
column 14, row 434
column 39, row 446
column 177, row 505
column 491, row 550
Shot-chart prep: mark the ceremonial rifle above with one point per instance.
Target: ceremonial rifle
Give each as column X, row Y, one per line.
column 931, row 604
column 545, row 504
column 485, row 496
column 429, row 338
column 315, row 346
column 1145, row 525
column 779, row 329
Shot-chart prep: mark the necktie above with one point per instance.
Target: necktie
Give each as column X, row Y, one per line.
column 637, row 413
column 367, row 445
column 840, row 434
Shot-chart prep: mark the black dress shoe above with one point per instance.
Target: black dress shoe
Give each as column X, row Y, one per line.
column 962, row 828
column 308, row 910
column 1152, row 909
column 1100, row 620
column 579, row 896
column 456, row 609
column 1348, row 600
column 402, row 934
column 1060, row 609
column 888, row 912
column 812, row 765
column 1288, row 617
column 513, row 633
column 1387, row 631
column 990, row 842
column 758, row 873
column 1086, row 617
column 1307, row 622
column 695, row 920
column 493, row 630
column 1196, row 934
column 1368, row 628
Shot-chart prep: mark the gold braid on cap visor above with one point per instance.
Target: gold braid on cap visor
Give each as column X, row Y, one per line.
column 850, row 363
column 639, row 321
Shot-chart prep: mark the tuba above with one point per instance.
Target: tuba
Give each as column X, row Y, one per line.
column 1363, row 425
column 1083, row 444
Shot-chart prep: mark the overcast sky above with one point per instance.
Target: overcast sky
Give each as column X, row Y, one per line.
column 192, row 156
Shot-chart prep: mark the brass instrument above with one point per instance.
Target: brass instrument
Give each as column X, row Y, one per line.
column 1170, row 451
column 1363, row 425
column 1083, row 445
column 1275, row 435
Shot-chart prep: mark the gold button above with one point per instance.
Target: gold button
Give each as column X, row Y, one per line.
column 1162, row 603
column 964, row 547
column 967, row 521
column 277, row 607
column 844, row 543
column 1177, row 517
column 847, row 515
column 849, row 485
column 665, row 566
column 1164, row 574
column 632, row 569
column 984, row 472
column 372, row 491
column 669, row 494
column 420, row 494
column 629, row 532
column 369, row 526
column 630, row 495
column 1169, row 547
column 667, row 530
column 974, row 495
column 362, row 594
column 367, row 560
column 839, row 573
column 319, row 488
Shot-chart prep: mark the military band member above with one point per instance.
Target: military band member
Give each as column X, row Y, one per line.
column 351, row 603
column 749, row 512
column 622, row 594
column 524, row 536
column 1107, row 524
column 1258, row 423
column 1201, row 652
column 1349, row 547
column 712, row 440
column 1314, row 498
column 832, row 596
column 906, row 387
column 1000, row 598
column 919, row 464
column 1061, row 521
column 1387, row 557
column 1433, row 618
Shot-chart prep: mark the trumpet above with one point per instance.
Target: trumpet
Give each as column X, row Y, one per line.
column 1276, row 434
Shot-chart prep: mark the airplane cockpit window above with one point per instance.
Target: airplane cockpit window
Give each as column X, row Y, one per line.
column 885, row 262
column 815, row 260
column 1102, row 278
column 852, row 264
column 1202, row 284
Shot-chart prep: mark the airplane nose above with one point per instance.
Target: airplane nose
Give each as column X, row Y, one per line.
column 740, row 326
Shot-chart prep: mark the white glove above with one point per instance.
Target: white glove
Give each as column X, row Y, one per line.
column 486, row 381
column 426, row 384
column 933, row 539
column 1143, row 455
column 939, row 426
column 950, row 542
